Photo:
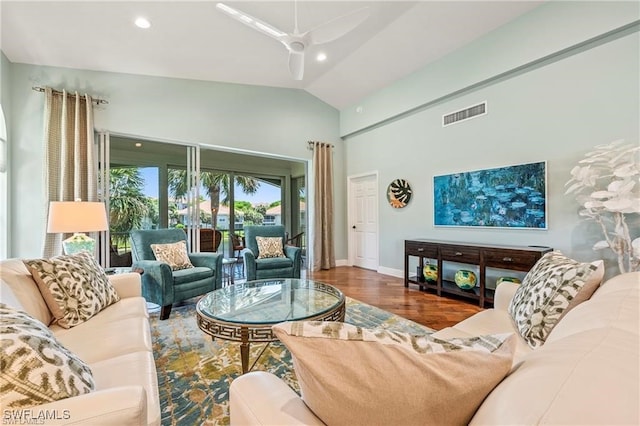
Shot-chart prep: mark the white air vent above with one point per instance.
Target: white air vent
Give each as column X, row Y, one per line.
column 464, row 114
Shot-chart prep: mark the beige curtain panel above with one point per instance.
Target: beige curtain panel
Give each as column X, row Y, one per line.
column 323, row 252
column 70, row 164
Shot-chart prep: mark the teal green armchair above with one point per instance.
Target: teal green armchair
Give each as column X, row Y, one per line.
column 164, row 286
column 278, row 267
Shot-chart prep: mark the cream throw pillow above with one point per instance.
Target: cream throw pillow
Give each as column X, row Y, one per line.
column 75, row 287
column 555, row 285
column 36, row 368
column 353, row 376
column 269, row 247
column 174, row 254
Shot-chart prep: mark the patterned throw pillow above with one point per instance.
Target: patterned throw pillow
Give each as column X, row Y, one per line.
column 75, row 287
column 36, row 368
column 173, row 254
column 554, row 286
column 269, row 247
column 351, row 375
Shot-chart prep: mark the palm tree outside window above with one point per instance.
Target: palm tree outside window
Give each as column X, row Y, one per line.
column 216, row 212
column 129, row 208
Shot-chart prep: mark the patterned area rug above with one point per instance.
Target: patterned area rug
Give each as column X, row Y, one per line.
column 194, row 372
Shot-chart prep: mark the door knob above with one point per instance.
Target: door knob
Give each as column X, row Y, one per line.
column 354, row 227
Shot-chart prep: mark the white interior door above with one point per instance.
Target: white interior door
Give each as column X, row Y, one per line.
column 363, row 221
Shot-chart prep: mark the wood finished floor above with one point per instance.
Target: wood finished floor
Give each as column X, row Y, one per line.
column 388, row 293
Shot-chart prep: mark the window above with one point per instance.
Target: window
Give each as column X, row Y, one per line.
column 227, row 199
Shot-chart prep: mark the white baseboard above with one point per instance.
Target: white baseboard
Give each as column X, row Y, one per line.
column 339, row 262
column 389, row 271
column 398, row 273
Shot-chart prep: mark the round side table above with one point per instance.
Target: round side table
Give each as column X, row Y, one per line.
column 228, row 266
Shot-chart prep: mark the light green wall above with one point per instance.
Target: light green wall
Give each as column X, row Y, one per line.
column 554, row 112
column 545, row 31
column 251, row 118
column 5, row 101
column 4, row 78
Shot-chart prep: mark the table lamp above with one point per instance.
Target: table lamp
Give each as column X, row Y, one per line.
column 77, row 217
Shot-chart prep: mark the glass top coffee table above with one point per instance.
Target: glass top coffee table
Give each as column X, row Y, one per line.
column 245, row 312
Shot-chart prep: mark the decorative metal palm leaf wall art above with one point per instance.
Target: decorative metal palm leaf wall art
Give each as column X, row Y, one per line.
column 504, row 197
column 399, row 193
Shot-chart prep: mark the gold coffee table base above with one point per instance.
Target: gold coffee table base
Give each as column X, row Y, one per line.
column 247, row 333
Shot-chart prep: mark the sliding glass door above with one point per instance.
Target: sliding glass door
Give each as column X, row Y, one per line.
column 299, row 213
column 255, row 200
column 133, row 183
column 209, row 194
column 229, row 201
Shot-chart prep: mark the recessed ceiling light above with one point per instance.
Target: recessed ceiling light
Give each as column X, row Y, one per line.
column 142, row 23
column 321, row 57
column 138, row 144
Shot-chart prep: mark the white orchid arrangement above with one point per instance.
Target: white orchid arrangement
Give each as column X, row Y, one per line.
column 606, row 184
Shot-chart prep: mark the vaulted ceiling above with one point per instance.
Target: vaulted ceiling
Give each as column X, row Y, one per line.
column 194, row 40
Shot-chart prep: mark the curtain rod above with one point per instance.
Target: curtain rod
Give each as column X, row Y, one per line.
column 98, row 101
column 311, row 143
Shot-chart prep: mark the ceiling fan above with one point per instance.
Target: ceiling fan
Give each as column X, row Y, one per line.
column 296, row 42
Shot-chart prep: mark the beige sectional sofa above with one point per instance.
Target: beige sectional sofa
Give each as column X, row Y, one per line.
column 587, row 371
column 115, row 343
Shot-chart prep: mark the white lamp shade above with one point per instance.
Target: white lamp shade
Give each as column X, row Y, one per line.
column 77, row 216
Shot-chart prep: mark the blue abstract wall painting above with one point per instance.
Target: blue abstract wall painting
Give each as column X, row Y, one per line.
column 504, row 197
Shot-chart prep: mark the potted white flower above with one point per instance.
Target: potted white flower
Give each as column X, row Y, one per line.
column 606, row 184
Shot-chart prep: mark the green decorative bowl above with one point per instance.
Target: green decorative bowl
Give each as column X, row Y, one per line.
column 430, row 273
column 508, row 280
column 466, row 280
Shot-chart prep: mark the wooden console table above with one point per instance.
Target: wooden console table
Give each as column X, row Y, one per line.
column 513, row 258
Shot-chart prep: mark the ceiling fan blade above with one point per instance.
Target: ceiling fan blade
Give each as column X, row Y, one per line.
column 296, row 64
column 338, row 27
column 252, row 22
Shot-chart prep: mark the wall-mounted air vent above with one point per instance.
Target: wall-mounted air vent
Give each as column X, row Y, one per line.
column 464, row 114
